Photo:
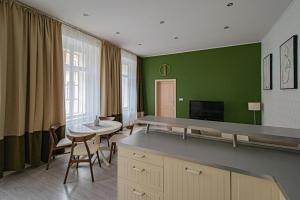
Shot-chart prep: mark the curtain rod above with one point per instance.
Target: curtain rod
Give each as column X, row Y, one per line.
column 65, row 23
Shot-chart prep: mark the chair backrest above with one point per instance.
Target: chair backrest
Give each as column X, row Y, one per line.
column 52, row 133
column 81, row 138
column 84, row 139
column 110, row 118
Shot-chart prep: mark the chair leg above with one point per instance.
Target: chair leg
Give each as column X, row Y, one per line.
column 115, row 147
column 98, row 159
column 111, row 152
column 67, row 172
column 91, row 168
column 49, row 158
column 107, row 139
column 77, row 164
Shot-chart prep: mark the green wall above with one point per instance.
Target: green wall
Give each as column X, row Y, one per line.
column 230, row 74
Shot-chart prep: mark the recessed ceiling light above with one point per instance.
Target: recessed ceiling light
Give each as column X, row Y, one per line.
column 85, row 14
column 162, row 22
column 140, row 44
column 118, row 33
column 226, row 27
column 176, row 38
column 229, row 4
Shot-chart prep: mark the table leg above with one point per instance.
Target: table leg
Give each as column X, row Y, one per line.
column 147, row 128
column 234, row 141
column 184, row 134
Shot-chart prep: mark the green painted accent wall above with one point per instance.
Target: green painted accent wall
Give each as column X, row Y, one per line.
column 230, row 74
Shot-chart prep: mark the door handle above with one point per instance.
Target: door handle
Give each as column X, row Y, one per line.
column 192, row 171
column 138, row 155
column 138, row 169
column 138, row 193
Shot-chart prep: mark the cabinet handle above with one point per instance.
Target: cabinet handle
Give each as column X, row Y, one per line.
column 138, row 193
column 192, row 171
column 138, row 169
column 138, row 155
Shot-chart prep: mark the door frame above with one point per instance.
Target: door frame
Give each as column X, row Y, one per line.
column 157, row 81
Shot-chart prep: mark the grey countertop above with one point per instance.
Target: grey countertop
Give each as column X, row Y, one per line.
column 282, row 167
column 284, row 134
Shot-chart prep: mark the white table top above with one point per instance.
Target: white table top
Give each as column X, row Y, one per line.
column 106, row 127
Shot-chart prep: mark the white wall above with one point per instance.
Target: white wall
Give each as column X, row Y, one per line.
column 282, row 107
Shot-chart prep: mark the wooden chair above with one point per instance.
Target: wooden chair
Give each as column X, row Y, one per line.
column 109, row 118
column 116, row 138
column 56, row 144
column 81, row 148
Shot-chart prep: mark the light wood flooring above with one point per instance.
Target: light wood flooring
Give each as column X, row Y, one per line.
column 39, row 184
column 36, row 183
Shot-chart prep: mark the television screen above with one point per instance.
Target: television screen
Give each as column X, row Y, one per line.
column 207, row 110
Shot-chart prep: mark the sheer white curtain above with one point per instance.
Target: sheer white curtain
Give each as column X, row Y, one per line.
column 82, row 76
column 129, row 90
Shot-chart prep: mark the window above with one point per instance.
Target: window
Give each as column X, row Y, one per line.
column 129, row 90
column 125, row 85
column 81, row 55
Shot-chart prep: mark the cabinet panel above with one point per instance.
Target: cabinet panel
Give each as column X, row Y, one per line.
column 190, row 181
column 128, row 190
column 249, row 188
column 140, row 172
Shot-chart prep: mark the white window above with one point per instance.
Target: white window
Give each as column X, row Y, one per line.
column 81, row 55
column 129, row 90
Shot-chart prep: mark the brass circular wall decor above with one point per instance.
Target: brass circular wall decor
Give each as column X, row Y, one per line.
column 164, row 70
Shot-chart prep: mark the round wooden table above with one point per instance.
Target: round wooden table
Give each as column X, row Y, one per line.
column 106, row 127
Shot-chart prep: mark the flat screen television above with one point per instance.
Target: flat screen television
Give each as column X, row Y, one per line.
column 207, row 110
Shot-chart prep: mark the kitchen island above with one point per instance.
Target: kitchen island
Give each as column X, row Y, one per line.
column 281, row 169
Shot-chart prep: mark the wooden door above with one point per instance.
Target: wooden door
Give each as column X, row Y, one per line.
column 250, row 188
column 189, row 181
column 165, row 98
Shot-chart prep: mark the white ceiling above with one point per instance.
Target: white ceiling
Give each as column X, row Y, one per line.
column 199, row 24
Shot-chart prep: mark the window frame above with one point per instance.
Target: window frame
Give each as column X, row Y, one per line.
column 72, row 69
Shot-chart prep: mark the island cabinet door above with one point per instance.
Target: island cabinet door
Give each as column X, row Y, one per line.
column 189, row 181
column 250, row 188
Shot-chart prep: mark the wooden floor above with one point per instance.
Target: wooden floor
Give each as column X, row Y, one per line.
column 39, row 184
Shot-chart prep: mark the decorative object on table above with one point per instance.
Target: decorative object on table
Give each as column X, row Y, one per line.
column 254, row 106
column 267, row 72
column 164, row 70
column 97, row 121
column 288, row 64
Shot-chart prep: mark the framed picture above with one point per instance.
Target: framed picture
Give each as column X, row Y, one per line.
column 267, row 72
column 288, row 64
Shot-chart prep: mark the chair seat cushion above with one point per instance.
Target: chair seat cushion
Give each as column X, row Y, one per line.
column 64, row 142
column 80, row 149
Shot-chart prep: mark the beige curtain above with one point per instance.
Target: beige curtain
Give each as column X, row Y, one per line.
column 111, row 95
column 31, row 83
column 139, row 85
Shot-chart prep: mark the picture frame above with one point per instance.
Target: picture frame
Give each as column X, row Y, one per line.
column 288, row 64
column 267, row 72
